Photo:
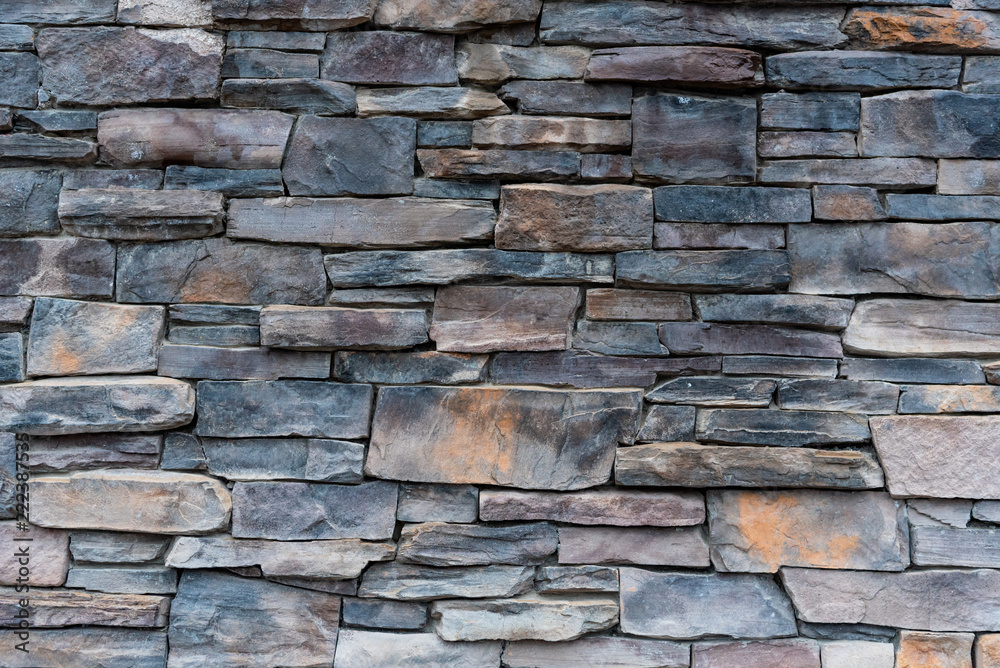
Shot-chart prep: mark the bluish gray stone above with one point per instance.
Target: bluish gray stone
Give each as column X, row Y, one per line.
column 21, row 74
column 714, row 391
column 440, row 544
column 132, row 580
column 587, row 370
column 108, row 647
column 182, row 452
column 720, row 204
column 230, row 182
column 437, row 503
column 94, row 451
column 749, row 269
column 381, row 614
column 567, row 98
column 144, row 179
column 312, row 459
column 60, row 121
column 791, row 367
column 312, row 42
column 28, row 202
column 703, row 338
column 456, row 189
column 409, row 368
column 62, row 267
column 913, row 370
column 874, row 172
column 862, row 70
column 240, row 63
column 668, row 423
column 424, row 583
column 847, row 396
column 780, row 428
column 385, row 57
column 811, row 111
column 444, row 134
column 942, row 207
column 618, row 338
column 308, row 96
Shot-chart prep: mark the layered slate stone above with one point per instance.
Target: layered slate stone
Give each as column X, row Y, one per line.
column 496, row 436
column 684, row 139
column 618, row 338
column 862, row 70
column 949, row 650
column 136, row 580
column 642, row 546
column 523, row 618
column 309, row 96
column 750, row 269
column 291, row 625
column 792, row 367
column 64, row 267
column 437, row 503
column 721, row 235
column 793, row 652
column 719, row 204
column 385, row 614
column 714, row 391
column 689, row 606
column 939, row 328
column 914, row 370
column 847, row 396
column 361, row 223
column 668, row 423
column 371, row 649
column 306, row 14
column 871, row 172
column 696, row 465
column 176, row 12
column 702, row 338
column 492, row 64
column 202, row 137
column 598, row 652
column 940, row 207
column 477, row 319
column 22, row 73
column 231, row 409
column 324, row 460
column 969, row 177
column 29, row 202
column 944, row 457
column 923, row 29
column 575, row 218
column 49, row 555
column 948, row 546
column 22, row 146
column 615, row 304
column 620, row 508
column 94, row 451
column 952, row 124
column 95, row 404
column 85, row 66
column 306, row 327
column 824, row 312
column 753, row 426
column 124, row 548
column 141, row 215
column 810, row 111
column 268, row 64
column 588, row 370
column 112, row 647
column 422, row 583
column 847, row 203
column 70, row 337
column 410, row 368
column 443, row 544
column 221, row 271
column 784, row 144
column 453, row 16
column 930, row 600
column 400, row 58
column 430, row 102
column 554, row 133
column 327, row 559
column 313, row 511
column 242, row 363
column 570, row 98
column 759, row 532
column 450, row 163
column 949, row 399
column 142, row 501
column 52, row 608
column 685, row 65
column 370, row 156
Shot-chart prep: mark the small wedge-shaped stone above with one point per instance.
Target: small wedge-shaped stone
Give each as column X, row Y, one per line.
column 498, row 436
column 451, row 163
column 430, row 102
column 749, row 269
column 696, row 465
column 441, row 544
column 208, row 623
column 245, row 363
column 721, row 204
column 685, row 65
column 105, row 647
column 755, row 426
column 66, row 607
column 948, row 546
column 386, row 57
column 141, row 215
column 63, row 267
column 931, row 600
column 941, row 457
column 524, row 618
column 423, row 583
column 326, row 559
column 619, row 508
column 701, row 338
column 95, row 404
column 603, row 218
column 597, row 652
column 309, row 327
column 314, row 511
column 758, row 532
column 85, row 66
column 453, row 15
column 202, row 137
column 924, row 29
column 555, row 133
column 933, row 328
column 641, row 546
column 372, row 649
column 862, row 70
column 141, row 501
column 313, row 459
column 70, row 337
column 361, row 223
column 687, row 605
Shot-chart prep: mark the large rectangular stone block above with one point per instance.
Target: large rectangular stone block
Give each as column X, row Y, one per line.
column 401, row 58
column 314, row 459
column 569, row 98
column 243, row 363
column 444, row 544
column 52, row 608
column 529, row 617
column 63, row 267
column 932, row 328
column 640, row 546
column 874, row 172
column 495, row 436
column 685, row 65
column 720, row 204
column 615, row 304
column 373, row 649
column 810, row 111
column 452, row 15
column 924, row 29
column 451, row 163
column 948, row 546
column 491, row 64
column 701, row 338
column 713, row 270
column 847, row 396
column 423, row 583
column 141, row 215
column 587, row 135
column 823, row 312
column 109, row 647
column 410, row 368
column 597, row 652
column 862, row 70
column 308, row 327
column 618, row 508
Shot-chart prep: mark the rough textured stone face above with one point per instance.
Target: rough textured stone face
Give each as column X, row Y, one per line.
column 406, row 582
column 692, row 65
column 442, row 544
column 371, row 649
column 141, row 215
column 29, row 201
column 305, row 327
column 862, row 70
column 525, row 618
column 63, row 267
column 449, row 15
column 897, row 328
column 112, row 647
column 594, row 507
column 400, row 58
column 794, row 653
column 600, row 652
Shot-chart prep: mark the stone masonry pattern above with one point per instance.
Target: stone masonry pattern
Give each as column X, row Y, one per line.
column 499, row 334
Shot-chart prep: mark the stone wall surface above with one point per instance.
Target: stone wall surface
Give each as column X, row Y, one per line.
column 499, row 334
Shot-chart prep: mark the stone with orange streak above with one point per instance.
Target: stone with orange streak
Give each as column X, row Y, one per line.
column 987, row 651
column 759, row 532
column 915, row 649
column 924, row 29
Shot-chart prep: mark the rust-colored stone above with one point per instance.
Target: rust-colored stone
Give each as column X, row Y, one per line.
column 924, row 28
column 934, row 650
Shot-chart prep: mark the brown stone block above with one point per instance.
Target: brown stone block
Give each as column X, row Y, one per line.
column 687, row 65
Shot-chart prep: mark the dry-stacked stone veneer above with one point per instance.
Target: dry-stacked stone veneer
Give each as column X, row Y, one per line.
column 481, row 333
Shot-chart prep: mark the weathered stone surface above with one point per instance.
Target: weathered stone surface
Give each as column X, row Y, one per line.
column 642, row 546
column 874, row 172
column 605, row 167
column 837, row 632
column 719, row 204
column 949, row 399
column 980, row 75
column 440, row 267
column 685, row 65
column 423, row 583
column 703, row 269
column 182, row 452
column 21, row 73
column 498, row 436
column 401, row 58
column 444, row 133
column 165, row 12
column 453, row 16
column 895, row 328
column 793, row 653
column 94, row 451
column 948, row 546
column 251, row 363
column 305, row 327
column 429, row 102
column 706, row 338
column 862, row 70
column 575, row 218
column 327, row 559
column 987, row 511
column 202, row 137
column 409, row 368
column 476, row 319
column 685, row 605
column 969, row 177
column 944, row 457
column 221, row 271
column 668, row 423
column 847, row 396
column 828, row 313
column 440, row 544
column 597, row 652
column 142, row 215
column 714, row 391
column 48, row 560
column 614, row 304
column 14, row 312
column 987, row 651
column 208, row 622
column 684, row 139
column 106, row 66
column 938, row 207
column 781, row 428
column 852, row 653
column 628, row 23
column 28, row 201
column 569, row 98
column 8, row 475
column 146, row 179
column 847, row 203
column 116, row 548
column 810, row 111
column 379, row 614
column 268, row 64
column 143, row 501
column 922, row 650
column 758, row 532
column 620, row 508
column 456, row 189
column 789, row 367
column 17, row 38
column 498, row 163
column 587, row 370
column 695, row 465
column 931, row 600
column 65, row 607
column 59, row 121
column 939, row 512
column 552, row 133
column 233, row 409
column 214, row 314
column 697, row 235
column 576, row 579
column 135, row 580
column 618, row 338
column 11, row 357
column 215, row 335
column 307, row 14
column 923, row 29
column 370, row 649
column 59, row 12
column 405, row 296
column 437, row 503
column 229, row 182
column 491, row 64
column 22, row 146
column 321, row 460
column 106, row 647
column 784, row 144
column 95, row 404
column 303, row 95
column 524, row 618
